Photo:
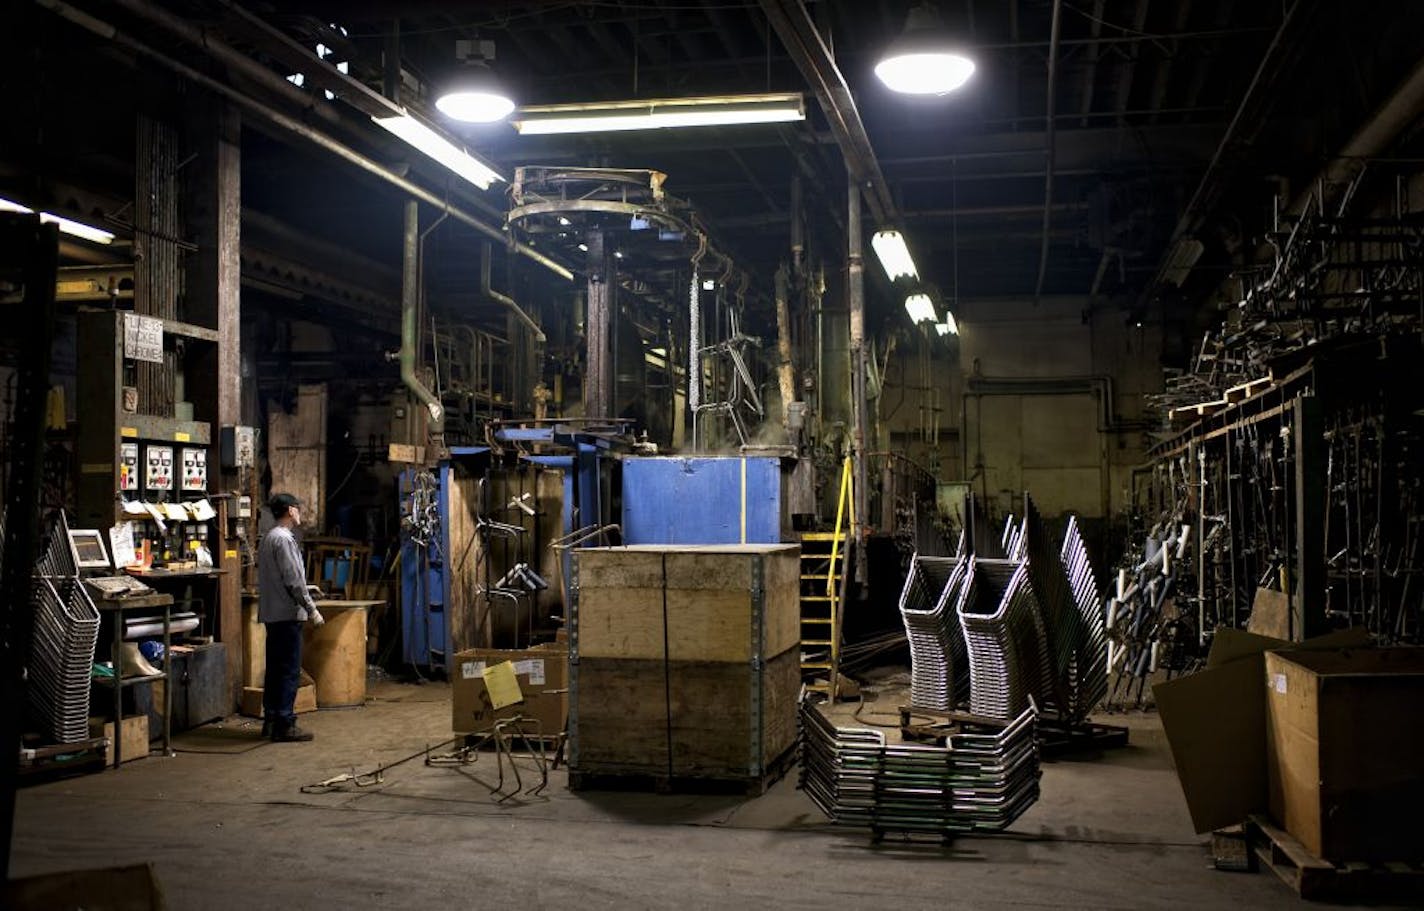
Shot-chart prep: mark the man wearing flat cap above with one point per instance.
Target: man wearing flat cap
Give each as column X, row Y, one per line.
column 284, row 604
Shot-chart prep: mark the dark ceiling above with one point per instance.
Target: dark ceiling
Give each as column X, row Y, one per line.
column 1144, row 93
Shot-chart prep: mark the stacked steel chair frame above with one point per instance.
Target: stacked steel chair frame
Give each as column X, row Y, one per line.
column 65, row 632
column 978, row 783
column 1000, row 618
column 939, row 662
column 1089, row 681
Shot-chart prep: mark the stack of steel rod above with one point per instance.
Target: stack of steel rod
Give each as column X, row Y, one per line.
column 978, row 783
column 62, row 649
column 939, row 662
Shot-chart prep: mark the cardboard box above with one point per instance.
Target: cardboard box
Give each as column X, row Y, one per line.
column 1345, row 737
column 543, row 675
column 1215, row 721
column 134, row 731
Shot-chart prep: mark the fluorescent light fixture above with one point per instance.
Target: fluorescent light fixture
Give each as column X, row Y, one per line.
column 925, row 59
column 894, row 255
column 949, row 326
column 921, row 309
column 660, row 113
column 68, row 226
column 426, row 140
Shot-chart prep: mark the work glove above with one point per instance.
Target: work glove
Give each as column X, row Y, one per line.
column 315, row 617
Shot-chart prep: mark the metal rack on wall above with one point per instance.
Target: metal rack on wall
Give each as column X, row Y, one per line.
column 1300, row 503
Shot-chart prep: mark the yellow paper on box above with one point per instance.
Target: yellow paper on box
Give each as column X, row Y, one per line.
column 502, row 685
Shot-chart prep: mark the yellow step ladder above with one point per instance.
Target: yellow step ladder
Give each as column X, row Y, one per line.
column 823, row 576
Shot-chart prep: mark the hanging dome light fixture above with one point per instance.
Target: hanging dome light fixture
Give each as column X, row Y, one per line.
column 473, row 94
column 925, row 59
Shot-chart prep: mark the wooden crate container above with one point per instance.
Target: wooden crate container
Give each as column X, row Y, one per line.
column 684, row 663
column 688, row 602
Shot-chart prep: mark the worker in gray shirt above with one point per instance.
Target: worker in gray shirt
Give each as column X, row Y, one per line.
column 284, row 604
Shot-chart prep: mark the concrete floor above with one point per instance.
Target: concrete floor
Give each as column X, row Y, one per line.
column 234, row 830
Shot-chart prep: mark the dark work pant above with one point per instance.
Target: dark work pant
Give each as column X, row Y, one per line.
column 284, row 671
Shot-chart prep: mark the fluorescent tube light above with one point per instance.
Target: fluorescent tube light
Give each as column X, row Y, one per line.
column 660, row 113
column 921, row 309
column 68, row 226
column 894, row 255
column 426, row 140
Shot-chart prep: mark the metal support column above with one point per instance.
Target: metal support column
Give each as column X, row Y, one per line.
column 598, row 325
column 1307, row 603
column 29, row 254
column 855, row 274
column 214, row 301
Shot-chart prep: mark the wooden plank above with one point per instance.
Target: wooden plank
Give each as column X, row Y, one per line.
column 296, row 451
column 466, row 568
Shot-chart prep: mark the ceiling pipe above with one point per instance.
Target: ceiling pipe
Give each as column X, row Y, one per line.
column 292, row 125
column 506, row 300
column 793, row 25
column 1208, row 189
column 1374, row 137
column 410, row 301
column 1048, row 166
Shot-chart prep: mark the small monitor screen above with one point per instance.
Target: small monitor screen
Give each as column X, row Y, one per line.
column 89, row 550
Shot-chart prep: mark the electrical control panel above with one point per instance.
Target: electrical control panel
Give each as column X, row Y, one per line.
column 158, row 468
column 238, row 446
column 128, row 466
column 195, row 469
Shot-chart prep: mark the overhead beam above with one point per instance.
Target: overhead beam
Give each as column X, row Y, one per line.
column 1048, row 167
column 793, row 25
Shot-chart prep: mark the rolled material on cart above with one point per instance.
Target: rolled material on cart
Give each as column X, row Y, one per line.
column 150, row 627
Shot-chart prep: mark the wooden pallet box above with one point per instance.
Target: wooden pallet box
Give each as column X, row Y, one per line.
column 1344, row 736
column 684, row 661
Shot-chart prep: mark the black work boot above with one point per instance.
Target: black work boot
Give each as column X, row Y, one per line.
column 291, row 734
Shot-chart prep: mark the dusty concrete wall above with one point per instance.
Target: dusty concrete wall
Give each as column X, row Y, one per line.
column 1043, row 398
